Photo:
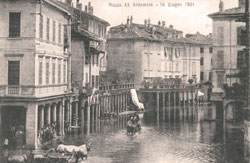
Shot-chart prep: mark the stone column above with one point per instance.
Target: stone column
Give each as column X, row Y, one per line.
column 54, row 113
column 31, row 126
column 174, row 106
column 184, row 99
column 169, row 106
column 62, row 117
column 76, row 110
column 70, row 113
column 88, row 117
column 163, row 106
column 48, row 114
column 41, row 117
column 157, row 107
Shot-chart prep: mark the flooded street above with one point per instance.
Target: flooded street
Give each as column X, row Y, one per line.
column 173, row 142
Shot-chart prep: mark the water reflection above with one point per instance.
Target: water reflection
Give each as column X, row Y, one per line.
column 175, row 140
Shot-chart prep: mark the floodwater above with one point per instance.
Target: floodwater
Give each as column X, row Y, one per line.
column 188, row 141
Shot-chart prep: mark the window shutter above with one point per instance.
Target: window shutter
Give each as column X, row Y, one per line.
column 13, row 72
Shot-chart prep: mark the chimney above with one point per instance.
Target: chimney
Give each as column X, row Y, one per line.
column 69, row 2
column 153, row 31
column 163, row 24
column 242, row 3
column 86, row 8
column 159, row 23
column 171, row 26
column 131, row 20
column 128, row 21
column 148, row 22
column 221, row 6
column 90, row 9
column 79, row 6
column 145, row 22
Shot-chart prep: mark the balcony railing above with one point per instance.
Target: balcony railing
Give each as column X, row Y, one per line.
column 34, row 91
column 115, row 87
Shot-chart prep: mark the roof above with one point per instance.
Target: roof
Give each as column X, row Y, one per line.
column 92, row 16
column 199, row 38
column 153, row 33
column 237, row 11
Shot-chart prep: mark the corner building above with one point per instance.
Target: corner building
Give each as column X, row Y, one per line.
column 35, row 88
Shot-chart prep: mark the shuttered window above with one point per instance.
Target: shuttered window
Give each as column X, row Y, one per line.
column 40, row 72
column 13, row 72
column 59, row 33
column 241, row 36
column 220, row 37
column 41, row 27
column 14, row 24
column 59, row 72
column 48, row 27
column 47, row 71
column 53, row 72
column 54, row 31
column 64, row 73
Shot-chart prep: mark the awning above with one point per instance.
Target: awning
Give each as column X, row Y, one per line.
column 200, row 93
column 135, row 99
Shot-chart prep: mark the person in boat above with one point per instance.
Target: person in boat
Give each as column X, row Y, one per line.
column 130, row 126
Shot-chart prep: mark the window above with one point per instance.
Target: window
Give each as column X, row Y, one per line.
column 201, row 50
column 47, row 71
column 97, row 60
column 64, row 72
column 201, row 61
column 194, row 52
column 97, row 81
column 48, row 26
column 210, row 76
column 59, row 33
column 184, row 68
column 202, row 76
column 220, row 59
column 93, row 81
column 40, row 72
column 194, row 68
column 220, row 35
column 93, row 60
column 177, row 66
column 87, row 77
column 240, row 59
column 241, row 36
column 41, row 27
column 65, row 35
column 53, row 71
column 14, row 24
column 59, row 71
column 211, row 50
column 54, row 31
column 87, row 60
column 220, row 79
column 170, row 66
column 13, row 72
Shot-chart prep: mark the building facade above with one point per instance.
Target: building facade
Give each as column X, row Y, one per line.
column 229, row 41
column 152, row 51
column 35, row 88
column 206, row 54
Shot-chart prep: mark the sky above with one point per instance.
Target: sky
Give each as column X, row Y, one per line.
column 189, row 19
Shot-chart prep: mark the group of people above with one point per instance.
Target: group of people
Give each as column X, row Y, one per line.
column 133, row 124
column 47, row 133
column 15, row 138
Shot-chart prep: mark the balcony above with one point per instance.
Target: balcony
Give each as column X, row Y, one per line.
column 32, row 91
column 116, row 87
